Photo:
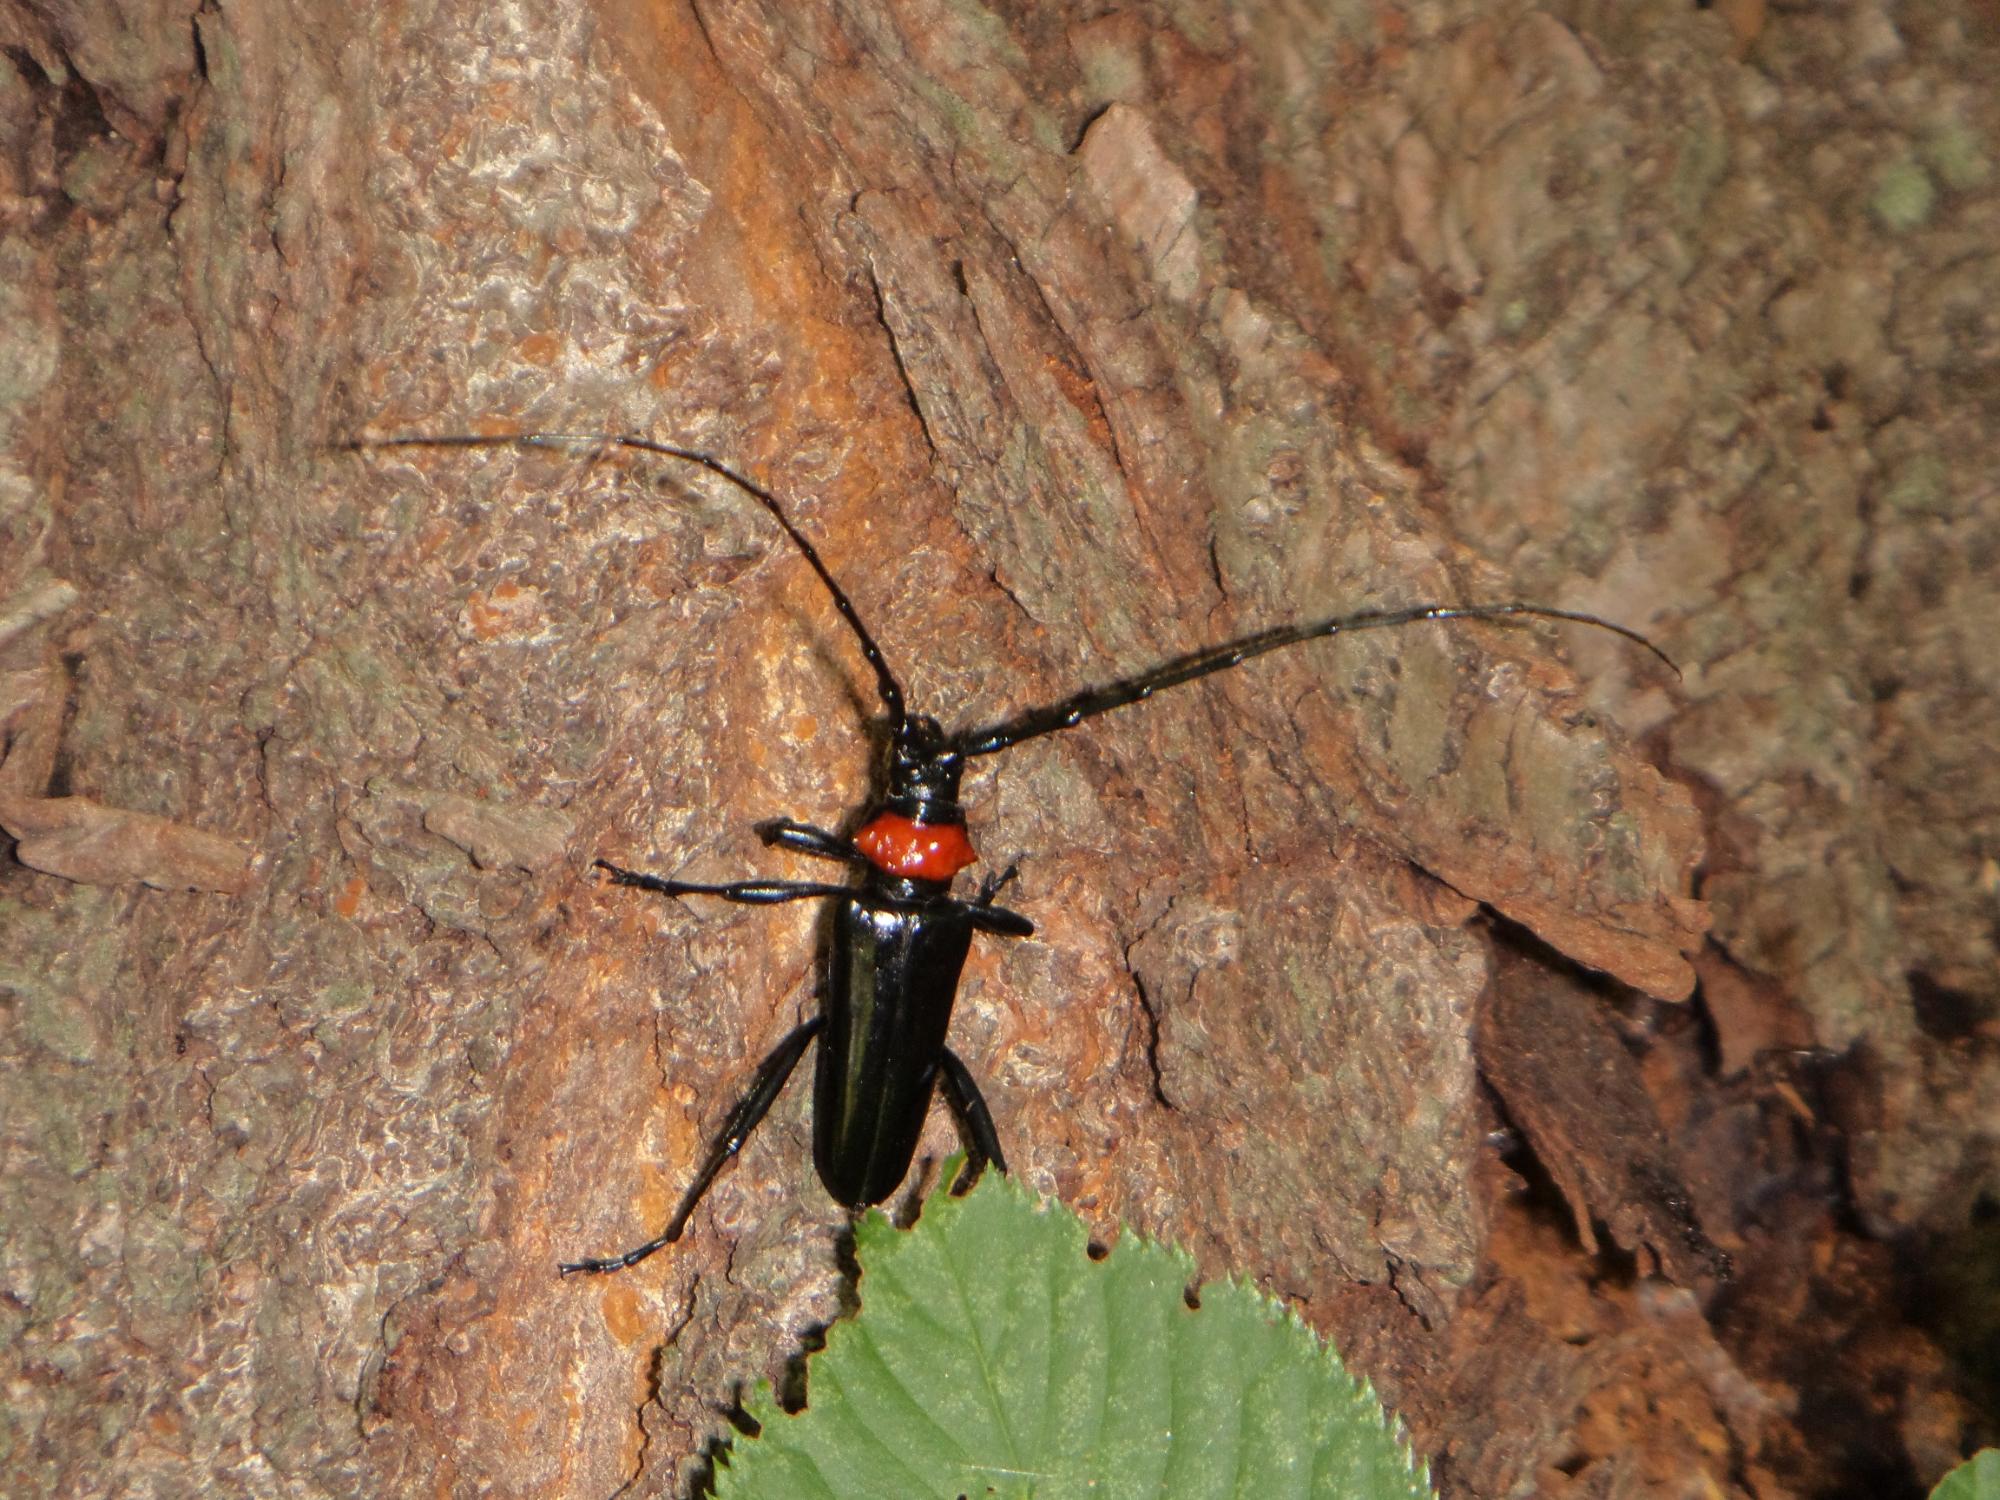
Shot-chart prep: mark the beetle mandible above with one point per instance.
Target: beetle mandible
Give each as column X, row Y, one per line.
column 900, row 937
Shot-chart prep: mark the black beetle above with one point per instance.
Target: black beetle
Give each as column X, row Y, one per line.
column 899, row 936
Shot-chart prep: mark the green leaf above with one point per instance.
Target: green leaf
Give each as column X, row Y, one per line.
column 1978, row 1478
column 993, row 1358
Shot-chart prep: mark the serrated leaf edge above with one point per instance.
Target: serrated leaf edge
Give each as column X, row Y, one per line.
column 876, row 1237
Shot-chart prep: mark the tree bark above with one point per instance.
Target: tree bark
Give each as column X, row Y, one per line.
column 1075, row 341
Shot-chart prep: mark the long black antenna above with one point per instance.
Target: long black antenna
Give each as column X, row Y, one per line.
column 885, row 680
column 1089, row 703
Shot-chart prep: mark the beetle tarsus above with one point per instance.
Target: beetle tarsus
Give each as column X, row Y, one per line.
column 992, row 885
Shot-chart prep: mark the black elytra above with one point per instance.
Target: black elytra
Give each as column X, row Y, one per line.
column 900, row 937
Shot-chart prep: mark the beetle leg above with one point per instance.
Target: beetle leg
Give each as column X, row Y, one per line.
column 744, row 1118
column 743, row 892
column 998, row 920
column 804, row 838
column 991, row 885
column 975, row 1121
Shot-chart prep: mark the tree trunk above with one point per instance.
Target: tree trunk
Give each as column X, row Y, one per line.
column 1074, row 342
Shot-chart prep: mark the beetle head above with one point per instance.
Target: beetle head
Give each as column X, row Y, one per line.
column 924, row 767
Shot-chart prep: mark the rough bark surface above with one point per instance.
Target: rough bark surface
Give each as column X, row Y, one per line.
column 1078, row 338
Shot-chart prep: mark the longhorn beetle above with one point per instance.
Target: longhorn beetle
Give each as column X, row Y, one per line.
column 899, row 935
